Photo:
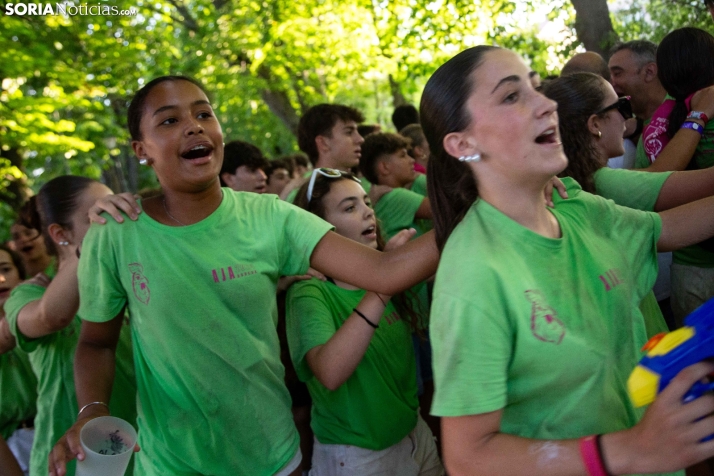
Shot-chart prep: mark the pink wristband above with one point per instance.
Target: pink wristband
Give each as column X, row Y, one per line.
column 590, row 454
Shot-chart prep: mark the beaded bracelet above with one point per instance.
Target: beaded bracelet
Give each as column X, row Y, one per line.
column 693, row 126
column 374, row 326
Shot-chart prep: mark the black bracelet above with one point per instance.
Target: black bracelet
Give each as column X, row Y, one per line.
column 374, row 326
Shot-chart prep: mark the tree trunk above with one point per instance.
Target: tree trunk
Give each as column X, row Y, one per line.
column 279, row 102
column 398, row 98
column 593, row 26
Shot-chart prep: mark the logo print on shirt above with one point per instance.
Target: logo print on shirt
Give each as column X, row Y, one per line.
column 545, row 324
column 611, row 278
column 139, row 283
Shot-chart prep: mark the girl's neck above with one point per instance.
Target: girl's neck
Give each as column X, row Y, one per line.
column 176, row 208
column 523, row 204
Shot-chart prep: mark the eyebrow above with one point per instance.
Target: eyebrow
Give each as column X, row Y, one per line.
column 532, row 73
column 508, row 79
column 195, row 103
column 348, row 199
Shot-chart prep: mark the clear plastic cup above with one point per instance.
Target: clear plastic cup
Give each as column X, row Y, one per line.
column 108, row 443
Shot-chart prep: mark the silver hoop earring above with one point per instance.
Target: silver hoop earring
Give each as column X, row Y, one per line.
column 64, row 243
column 470, row 158
column 143, row 161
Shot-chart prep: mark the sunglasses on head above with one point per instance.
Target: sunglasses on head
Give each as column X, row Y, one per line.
column 623, row 106
column 325, row 172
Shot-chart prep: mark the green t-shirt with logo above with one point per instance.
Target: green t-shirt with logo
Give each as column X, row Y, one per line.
column 203, row 318
column 18, row 391
column 377, row 406
column 546, row 330
column 52, row 360
column 638, row 190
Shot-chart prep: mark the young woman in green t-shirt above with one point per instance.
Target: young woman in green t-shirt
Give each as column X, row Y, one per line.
column 42, row 315
column 354, row 351
column 535, row 324
column 175, row 131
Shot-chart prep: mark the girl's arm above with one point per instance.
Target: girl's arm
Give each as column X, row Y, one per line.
column 684, row 187
column 666, row 439
column 424, row 211
column 8, row 463
column 58, row 305
column 679, row 151
column 388, row 272
column 94, row 363
column 7, row 340
column 686, row 225
column 335, row 361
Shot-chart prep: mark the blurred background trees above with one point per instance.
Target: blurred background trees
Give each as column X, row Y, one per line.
column 65, row 82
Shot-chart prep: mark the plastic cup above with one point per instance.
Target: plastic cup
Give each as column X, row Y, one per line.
column 108, row 443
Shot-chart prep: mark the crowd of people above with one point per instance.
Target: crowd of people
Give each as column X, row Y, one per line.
column 466, row 295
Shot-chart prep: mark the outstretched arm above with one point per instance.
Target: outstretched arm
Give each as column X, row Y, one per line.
column 684, row 187
column 686, row 225
column 666, row 439
column 387, row 272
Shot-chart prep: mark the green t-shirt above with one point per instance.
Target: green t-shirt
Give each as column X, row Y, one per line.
column 203, row 317
column 546, row 330
column 638, row 190
column 18, row 391
column 377, row 406
column 641, row 159
column 419, row 186
column 52, row 360
column 396, row 211
column 630, row 188
column 703, row 158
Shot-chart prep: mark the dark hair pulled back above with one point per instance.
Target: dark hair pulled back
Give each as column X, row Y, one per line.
column 685, row 64
column 579, row 95
column 451, row 185
column 136, row 107
column 56, row 202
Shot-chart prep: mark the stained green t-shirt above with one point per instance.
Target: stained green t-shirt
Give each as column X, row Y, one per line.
column 377, row 406
column 18, row 391
column 546, row 330
column 203, row 318
column 52, row 360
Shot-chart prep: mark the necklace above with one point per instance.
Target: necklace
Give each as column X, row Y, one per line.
column 170, row 215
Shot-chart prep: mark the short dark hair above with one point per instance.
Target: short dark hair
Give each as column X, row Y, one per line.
column 404, row 115
column 16, row 261
column 238, row 153
column 276, row 164
column 375, row 146
column 645, row 50
column 415, row 134
column 136, row 107
column 319, row 121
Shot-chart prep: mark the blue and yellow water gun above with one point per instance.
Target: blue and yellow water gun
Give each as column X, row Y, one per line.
column 669, row 353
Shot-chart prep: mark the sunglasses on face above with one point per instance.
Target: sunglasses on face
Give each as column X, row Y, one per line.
column 325, row 172
column 623, row 106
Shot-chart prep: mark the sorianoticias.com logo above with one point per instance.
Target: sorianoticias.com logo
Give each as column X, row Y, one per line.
column 65, row 9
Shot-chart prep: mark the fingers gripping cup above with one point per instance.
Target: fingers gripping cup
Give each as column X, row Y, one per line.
column 108, row 443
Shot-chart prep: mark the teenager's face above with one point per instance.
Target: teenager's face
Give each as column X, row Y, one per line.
column 9, row 277
column 344, row 146
column 279, row 178
column 513, row 126
column 248, row 180
column 612, row 126
column 28, row 242
column 400, row 166
column 181, row 138
column 348, row 209
column 80, row 217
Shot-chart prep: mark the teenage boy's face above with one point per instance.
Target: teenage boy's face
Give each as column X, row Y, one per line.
column 401, row 166
column 344, row 146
